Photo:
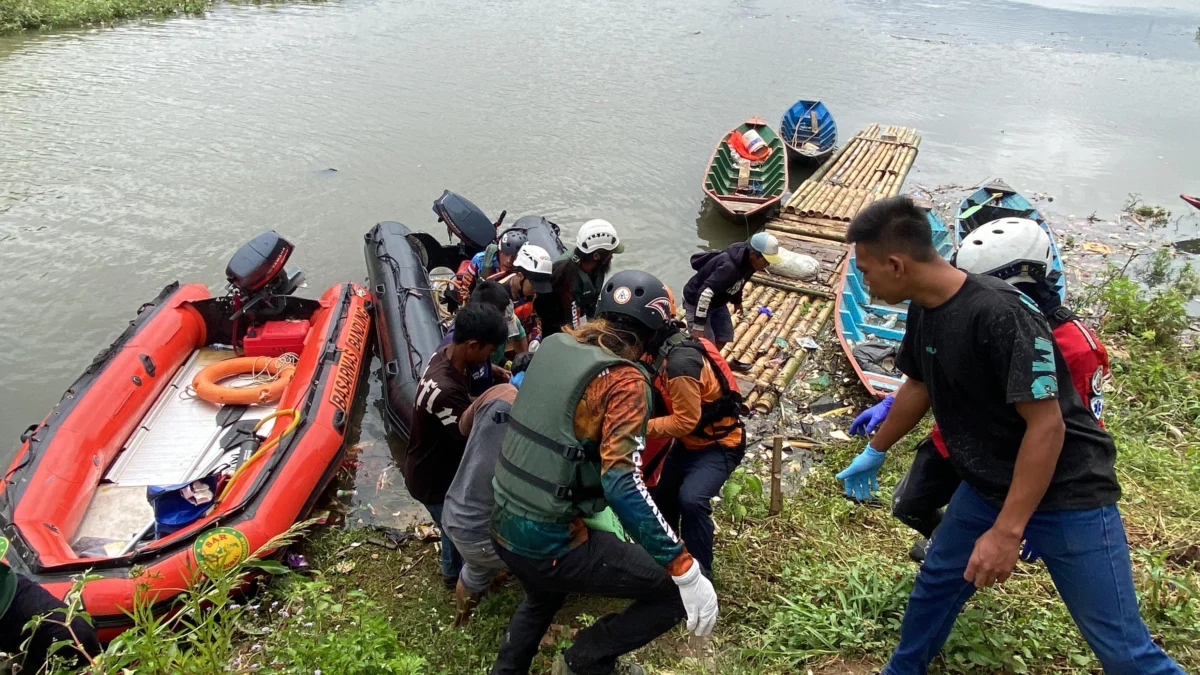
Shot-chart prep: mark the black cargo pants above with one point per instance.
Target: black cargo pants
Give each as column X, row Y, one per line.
column 603, row 565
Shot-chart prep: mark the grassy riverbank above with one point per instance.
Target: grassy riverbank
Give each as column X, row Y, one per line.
column 20, row 15
column 822, row 586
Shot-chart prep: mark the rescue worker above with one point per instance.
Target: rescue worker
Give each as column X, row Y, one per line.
column 718, row 281
column 576, row 279
column 21, row 599
column 530, row 276
column 467, row 510
column 702, row 404
column 498, row 258
column 1034, row 462
column 436, row 445
column 576, row 430
column 484, row 375
column 1018, row 251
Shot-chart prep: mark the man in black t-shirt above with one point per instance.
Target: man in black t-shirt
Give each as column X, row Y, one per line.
column 436, row 445
column 1034, row 463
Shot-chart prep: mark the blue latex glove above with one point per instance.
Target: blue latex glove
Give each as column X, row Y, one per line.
column 872, row 417
column 1028, row 552
column 861, row 477
column 517, row 379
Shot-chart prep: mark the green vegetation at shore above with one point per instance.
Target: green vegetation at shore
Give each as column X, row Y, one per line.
column 20, row 15
column 822, row 586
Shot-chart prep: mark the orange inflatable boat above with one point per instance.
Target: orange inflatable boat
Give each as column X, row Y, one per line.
column 86, row 490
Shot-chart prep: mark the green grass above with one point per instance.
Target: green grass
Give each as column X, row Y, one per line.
column 19, row 15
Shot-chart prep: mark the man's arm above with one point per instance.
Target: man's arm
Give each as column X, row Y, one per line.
column 996, row 551
column 625, row 413
column 910, row 405
column 685, row 368
column 718, row 281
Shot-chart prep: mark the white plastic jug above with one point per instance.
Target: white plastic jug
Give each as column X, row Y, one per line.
column 754, row 143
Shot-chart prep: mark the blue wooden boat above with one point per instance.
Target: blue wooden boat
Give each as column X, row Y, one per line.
column 808, row 130
column 870, row 331
column 995, row 200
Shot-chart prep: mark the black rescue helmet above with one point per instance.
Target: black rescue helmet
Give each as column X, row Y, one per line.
column 512, row 241
column 639, row 295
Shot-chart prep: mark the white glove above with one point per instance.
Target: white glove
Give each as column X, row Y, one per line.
column 699, row 599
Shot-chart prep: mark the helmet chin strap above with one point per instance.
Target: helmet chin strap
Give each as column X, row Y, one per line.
column 1043, row 294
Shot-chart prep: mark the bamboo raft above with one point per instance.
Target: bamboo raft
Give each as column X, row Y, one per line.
column 873, row 165
column 766, row 352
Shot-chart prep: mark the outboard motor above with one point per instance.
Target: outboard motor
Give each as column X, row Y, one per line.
column 257, row 276
column 257, row 268
column 466, row 221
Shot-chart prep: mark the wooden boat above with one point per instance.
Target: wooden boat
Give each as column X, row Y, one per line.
column 745, row 184
column 865, row 325
column 1194, row 201
column 77, row 496
column 995, row 200
column 809, row 131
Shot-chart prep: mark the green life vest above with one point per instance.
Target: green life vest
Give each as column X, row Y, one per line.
column 586, row 293
column 8, row 579
column 491, row 253
column 544, row 472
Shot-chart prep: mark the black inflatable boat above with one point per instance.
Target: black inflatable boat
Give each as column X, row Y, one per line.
column 406, row 316
column 407, row 328
column 540, row 232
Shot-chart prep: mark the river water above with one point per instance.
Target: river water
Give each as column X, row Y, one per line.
column 137, row 155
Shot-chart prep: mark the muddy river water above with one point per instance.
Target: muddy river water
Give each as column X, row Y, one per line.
column 137, row 155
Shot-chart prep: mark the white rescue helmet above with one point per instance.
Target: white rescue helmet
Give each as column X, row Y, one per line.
column 1016, row 250
column 598, row 235
column 535, row 263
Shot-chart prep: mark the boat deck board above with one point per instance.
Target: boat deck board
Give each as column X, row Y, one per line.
column 175, row 442
column 177, row 433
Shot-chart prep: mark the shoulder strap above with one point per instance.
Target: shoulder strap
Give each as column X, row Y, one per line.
column 574, row 453
column 562, row 492
column 1059, row 316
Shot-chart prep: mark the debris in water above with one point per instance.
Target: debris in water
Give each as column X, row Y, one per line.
column 1189, row 246
column 1097, row 247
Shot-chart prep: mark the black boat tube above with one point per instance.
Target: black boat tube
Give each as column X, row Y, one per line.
column 406, row 318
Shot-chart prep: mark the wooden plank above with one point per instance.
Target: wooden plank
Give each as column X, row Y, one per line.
column 776, row 477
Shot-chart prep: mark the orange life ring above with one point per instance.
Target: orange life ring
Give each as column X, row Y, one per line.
column 205, row 382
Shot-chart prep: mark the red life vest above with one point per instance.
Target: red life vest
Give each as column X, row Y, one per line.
column 727, row 405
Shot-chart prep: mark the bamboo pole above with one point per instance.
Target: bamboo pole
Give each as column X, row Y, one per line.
column 820, row 197
column 750, row 352
column 815, row 179
column 767, row 336
column 868, row 162
column 748, row 403
column 789, row 332
column 756, row 325
column 860, row 147
column 840, row 206
column 776, row 477
column 790, row 302
column 801, row 229
column 750, row 343
column 783, row 285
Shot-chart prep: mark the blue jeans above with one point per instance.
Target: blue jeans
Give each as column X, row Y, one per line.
column 719, row 325
column 1088, row 559
column 689, row 481
column 451, row 561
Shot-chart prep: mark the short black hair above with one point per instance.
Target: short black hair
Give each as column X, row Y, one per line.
column 492, row 293
column 480, row 321
column 893, row 225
